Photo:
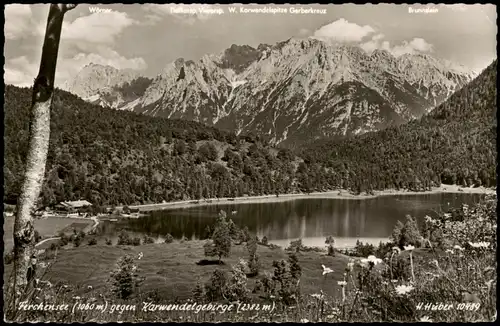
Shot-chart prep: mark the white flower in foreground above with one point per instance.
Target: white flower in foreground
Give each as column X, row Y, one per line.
column 479, row 244
column 404, row 289
column 450, row 251
column 447, row 215
column 409, row 247
column 426, row 319
column 140, row 255
column 342, row 283
column 371, row 260
column 76, row 298
column 89, row 287
column 396, row 250
column 457, row 247
column 304, row 320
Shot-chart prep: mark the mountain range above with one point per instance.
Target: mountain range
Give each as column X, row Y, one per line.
column 113, row 157
column 291, row 92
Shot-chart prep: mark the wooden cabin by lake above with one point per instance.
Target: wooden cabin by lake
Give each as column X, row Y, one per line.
column 72, row 208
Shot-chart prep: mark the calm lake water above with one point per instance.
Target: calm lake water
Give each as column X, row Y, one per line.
column 370, row 220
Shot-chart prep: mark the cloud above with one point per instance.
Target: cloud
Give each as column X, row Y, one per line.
column 343, row 31
column 21, row 71
column 370, row 46
column 185, row 13
column 102, row 27
column 88, row 38
column 18, row 21
column 373, row 44
column 378, row 37
column 416, row 45
column 421, row 45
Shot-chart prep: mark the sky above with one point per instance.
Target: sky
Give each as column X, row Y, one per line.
column 148, row 37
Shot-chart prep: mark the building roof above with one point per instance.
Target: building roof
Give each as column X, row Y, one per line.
column 76, row 203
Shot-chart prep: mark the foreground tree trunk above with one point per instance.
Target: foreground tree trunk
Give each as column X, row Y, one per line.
column 43, row 88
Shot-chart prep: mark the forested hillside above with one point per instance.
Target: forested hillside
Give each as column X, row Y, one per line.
column 113, row 157
column 455, row 144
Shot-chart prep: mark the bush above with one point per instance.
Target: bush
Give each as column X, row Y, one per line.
column 207, row 234
column 64, row 239
column 407, row 233
column 108, row 242
column 169, row 238
column 198, row 293
column 136, row 241
column 37, row 237
column 92, row 242
column 81, row 234
column 147, row 239
column 214, row 290
column 234, row 232
column 236, row 288
column 295, row 245
column 54, row 246
column 384, row 249
column 330, row 242
column 364, row 250
column 77, row 241
column 264, row 241
column 123, row 238
column 244, row 234
column 125, row 279
column 286, row 280
column 221, row 238
column 253, row 260
column 273, row 246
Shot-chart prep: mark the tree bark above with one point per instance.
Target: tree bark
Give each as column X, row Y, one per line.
column 43, row 89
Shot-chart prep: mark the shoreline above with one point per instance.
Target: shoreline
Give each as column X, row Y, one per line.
column 335, row 194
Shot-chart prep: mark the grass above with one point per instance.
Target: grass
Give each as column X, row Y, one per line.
column 458, row 268
column 171, row 269
column 46, row 227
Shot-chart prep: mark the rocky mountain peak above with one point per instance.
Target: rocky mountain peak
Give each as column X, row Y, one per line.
column 301, row 89
column 96, row 78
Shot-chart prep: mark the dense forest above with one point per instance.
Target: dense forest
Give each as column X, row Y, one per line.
column 112, row 157
column 454, row 144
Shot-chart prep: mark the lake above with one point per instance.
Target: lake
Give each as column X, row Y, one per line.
column 369, row 220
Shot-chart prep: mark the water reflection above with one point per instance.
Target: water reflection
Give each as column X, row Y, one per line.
column 309, row 219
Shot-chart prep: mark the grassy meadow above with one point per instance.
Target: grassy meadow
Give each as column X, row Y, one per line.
column 450, row 260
